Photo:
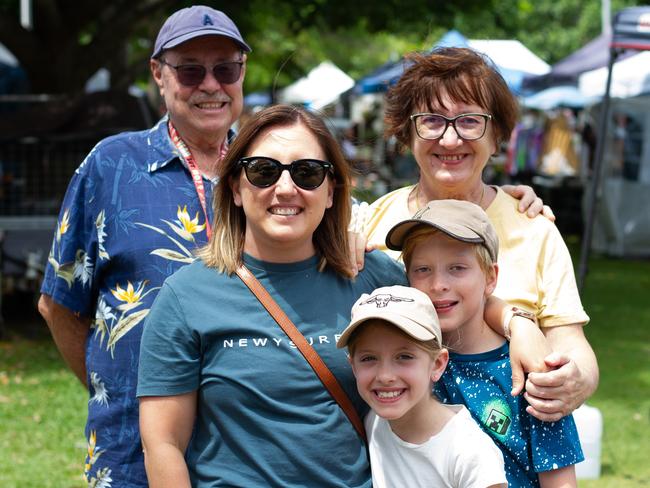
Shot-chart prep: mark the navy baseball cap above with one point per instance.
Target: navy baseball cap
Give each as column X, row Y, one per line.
column 199, row 20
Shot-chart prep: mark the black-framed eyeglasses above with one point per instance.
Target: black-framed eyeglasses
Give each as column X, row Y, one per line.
column 194, row 74
column 263, row 171
column 468, row 127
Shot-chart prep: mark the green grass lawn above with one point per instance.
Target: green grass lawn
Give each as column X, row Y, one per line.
column 42, row 411
column 617, row 297
column 43, row 407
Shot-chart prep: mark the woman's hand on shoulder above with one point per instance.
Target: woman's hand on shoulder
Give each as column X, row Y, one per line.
column 529, row 202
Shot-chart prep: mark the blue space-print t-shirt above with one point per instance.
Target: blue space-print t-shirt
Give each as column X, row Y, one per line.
column 483, row 382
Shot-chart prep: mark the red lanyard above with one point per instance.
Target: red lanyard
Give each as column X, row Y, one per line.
column 197, row 178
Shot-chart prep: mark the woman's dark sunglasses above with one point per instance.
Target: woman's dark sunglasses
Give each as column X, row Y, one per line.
column 193, row 74
column 263, row 172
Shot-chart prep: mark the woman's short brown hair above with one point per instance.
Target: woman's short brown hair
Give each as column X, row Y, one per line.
column 224, row 251
column 464, row 75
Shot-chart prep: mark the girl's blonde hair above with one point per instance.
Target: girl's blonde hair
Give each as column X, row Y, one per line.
column 431, row 347
column 225, row 248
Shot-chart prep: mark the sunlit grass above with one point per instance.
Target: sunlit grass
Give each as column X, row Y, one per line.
column 617, row 298
column 42, row 410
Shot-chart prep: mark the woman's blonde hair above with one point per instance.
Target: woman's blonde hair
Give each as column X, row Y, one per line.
column 225, row 248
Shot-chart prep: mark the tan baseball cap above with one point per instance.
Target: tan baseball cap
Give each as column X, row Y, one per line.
column 407, row 308
column 459, row 219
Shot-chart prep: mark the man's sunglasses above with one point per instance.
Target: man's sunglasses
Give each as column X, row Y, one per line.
column 263, row 172
column 193, row 74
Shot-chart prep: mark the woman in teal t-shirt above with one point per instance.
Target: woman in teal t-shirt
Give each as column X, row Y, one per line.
column 225, row 397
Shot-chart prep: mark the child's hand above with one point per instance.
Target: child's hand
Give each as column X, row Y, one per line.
column 528, row 350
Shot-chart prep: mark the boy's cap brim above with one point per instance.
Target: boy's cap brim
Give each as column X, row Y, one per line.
column 459, row 219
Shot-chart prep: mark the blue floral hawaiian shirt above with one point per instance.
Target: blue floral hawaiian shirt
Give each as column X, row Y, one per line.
column 129, row 219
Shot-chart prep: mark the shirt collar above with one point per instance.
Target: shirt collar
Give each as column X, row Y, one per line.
column 165, row 151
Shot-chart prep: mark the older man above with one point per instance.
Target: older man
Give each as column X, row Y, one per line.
column 135, row 209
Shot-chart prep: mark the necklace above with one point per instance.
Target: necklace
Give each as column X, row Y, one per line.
column 418, row 205
column 416, row 198
column 480, row 202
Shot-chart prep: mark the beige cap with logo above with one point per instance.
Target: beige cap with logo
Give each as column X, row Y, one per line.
column 459, row 219
column 407, row 308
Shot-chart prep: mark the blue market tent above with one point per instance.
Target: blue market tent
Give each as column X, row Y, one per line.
column 13, row 79
column 380, row 79
column 257, row 98
column 388, row 74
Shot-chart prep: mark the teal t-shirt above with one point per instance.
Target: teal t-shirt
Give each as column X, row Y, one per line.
column 264, row 419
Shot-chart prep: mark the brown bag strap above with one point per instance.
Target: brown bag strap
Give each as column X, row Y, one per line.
column 310, row 354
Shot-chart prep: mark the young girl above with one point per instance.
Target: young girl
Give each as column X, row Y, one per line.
column 394, row 344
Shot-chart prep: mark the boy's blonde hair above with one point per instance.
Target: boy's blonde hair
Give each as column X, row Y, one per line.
column 423, row 232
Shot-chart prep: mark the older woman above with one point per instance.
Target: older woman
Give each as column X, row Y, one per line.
column 452, row 109
column 225, row 397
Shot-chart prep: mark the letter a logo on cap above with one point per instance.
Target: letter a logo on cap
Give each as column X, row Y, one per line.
column 207, row 20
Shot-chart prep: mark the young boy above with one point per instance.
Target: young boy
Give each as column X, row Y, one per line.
column 450, row 252
column 414, row 441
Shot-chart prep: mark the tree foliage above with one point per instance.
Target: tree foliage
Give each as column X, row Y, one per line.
column 552, row 29
column 71, row 40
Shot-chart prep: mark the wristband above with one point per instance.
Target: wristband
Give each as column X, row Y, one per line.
column 512, row 312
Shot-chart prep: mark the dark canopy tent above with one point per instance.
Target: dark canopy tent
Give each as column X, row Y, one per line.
column 594, row 54
column 630, row 31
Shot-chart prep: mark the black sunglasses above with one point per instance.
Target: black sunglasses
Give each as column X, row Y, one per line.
column 193, row 74
column 263, row 171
